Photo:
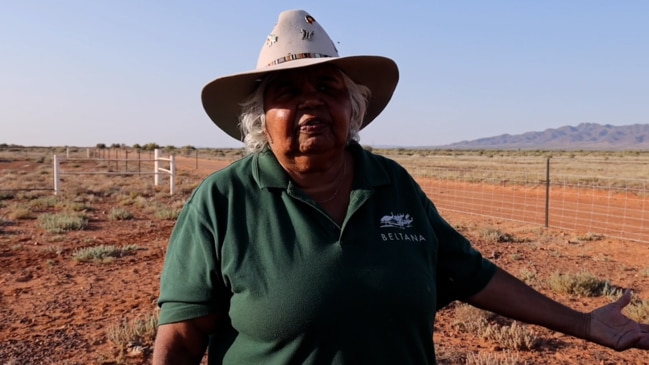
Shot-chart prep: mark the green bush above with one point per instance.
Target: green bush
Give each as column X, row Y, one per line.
column 61, row 222
column 167, row 214
column 102, row 252
column 581, row 284
column 120, row 214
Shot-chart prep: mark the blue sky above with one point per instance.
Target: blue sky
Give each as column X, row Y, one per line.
column 81, row 72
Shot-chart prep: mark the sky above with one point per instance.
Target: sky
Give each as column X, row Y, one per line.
column 82, row 72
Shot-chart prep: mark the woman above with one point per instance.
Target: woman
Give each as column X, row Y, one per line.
column 311, row 250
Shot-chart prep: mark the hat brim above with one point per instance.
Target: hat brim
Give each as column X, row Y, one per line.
column 222, row 97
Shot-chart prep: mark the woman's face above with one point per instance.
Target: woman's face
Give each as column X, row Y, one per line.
column 308, row 111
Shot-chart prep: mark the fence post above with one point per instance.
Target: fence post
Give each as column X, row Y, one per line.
column 172, row 174
column 57, row 180
column 547, row 192
column 156, row 167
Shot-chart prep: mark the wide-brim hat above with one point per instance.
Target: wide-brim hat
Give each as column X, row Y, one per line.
column 297, row 41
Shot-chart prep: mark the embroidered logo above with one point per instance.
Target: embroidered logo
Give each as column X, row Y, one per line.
column 402, row 221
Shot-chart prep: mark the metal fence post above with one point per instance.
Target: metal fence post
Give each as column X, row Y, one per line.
column 547, row 192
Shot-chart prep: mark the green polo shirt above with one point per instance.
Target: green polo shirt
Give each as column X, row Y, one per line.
column 294, row 287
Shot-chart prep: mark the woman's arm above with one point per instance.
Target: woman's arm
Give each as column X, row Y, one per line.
column 183, row 343
column 607, row 326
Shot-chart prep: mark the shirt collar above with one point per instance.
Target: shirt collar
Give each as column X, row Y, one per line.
column 268, row 173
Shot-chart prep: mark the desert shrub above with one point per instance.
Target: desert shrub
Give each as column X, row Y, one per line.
column 612, row 292
column 645, row 272
column 591, row 237
column 62, row 222
column 43, row 202
column 102, row 253
column 139, row 332
column 166, row 214
column 492, row 358
column 580, row 284
column 5, row 195
column 528, row 277
column 74, row 206
column 638, row 310
column 512, row 336
column 52, row 249
column 17, row 212
column 470, row 319
column 496, row 236
column 120, row 214
column 27, row 195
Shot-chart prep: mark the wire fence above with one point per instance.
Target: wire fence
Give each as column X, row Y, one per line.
column 599, row 193
column 612, row 206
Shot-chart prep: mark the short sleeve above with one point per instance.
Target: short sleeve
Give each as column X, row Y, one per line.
column 462, row 271
column 191, row 284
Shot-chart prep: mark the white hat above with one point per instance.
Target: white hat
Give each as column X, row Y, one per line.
column 297, row 41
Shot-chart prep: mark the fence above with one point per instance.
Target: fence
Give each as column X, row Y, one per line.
column 612, row 206
column 157, row 169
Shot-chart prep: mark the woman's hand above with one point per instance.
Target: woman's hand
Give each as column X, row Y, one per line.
column 610, row 328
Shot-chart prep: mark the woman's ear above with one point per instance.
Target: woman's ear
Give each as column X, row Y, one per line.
column 268, row 137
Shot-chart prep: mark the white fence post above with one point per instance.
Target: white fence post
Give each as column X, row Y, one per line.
column 156, row 167
column 172, row 170
column 57, row 179
column 156, row 172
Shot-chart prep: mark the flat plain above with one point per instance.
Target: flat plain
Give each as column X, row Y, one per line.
column 85, row 294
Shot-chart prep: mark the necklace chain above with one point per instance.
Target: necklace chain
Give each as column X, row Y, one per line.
column 340, row 184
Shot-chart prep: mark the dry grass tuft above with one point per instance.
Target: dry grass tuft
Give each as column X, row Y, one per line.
column 62, row 222
column 637, row 310
column 103, row 253
column 494, row 235
column 19, row 211
column 580, row 284
column 514, row 336
column 119, row 214
column 493, row 358
column 134, row 336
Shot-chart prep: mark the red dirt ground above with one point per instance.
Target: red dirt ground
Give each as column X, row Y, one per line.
column 54, row 310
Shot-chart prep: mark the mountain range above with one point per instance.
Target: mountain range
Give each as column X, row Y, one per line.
column 585, row 136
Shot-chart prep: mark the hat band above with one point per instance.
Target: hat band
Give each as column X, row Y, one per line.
column 296, row 56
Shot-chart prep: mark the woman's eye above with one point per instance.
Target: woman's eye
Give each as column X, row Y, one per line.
column 330, row 88
column 287, row 91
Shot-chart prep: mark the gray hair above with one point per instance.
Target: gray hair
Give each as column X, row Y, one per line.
column 252, row 121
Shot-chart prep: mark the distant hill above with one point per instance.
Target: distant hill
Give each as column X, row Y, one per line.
column 585, row 136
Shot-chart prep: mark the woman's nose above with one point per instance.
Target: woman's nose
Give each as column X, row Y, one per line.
column 310, row 97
